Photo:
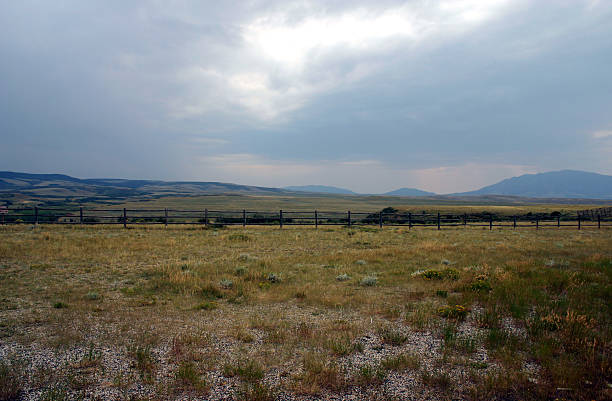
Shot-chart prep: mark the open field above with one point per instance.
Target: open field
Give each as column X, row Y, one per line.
column 298, row 313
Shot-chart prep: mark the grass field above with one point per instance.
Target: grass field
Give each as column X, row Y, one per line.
column 298, row 313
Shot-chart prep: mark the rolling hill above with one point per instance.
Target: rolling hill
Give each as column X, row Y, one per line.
column 324, row 189
column 555, row 184
column 409, row 192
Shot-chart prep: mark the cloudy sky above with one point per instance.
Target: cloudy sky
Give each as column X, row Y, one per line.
column 369, row 95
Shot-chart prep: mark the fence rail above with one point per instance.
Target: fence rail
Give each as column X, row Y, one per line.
column 316, row 218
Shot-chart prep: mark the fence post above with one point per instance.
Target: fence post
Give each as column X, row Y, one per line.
column 599, row 222
column 579, row 221
column 243, row 217
column 81, row 215
column 124, row 218
column 438, row 220
column 280, row 220
column 206, row 218
column 490, row 222
column 316, row 220
column 537, row 223
column 349, row 218
column 380, row 222
column 465, row 219
column 166, row 217
column 409, row 221
column 514, row 224
column 558, row 221
column 36, row 215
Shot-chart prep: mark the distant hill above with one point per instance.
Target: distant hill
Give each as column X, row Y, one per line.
column 555, row 184
column 320, row 189
column 409, row 192
column 58, row 186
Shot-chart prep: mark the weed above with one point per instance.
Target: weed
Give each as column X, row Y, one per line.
column 437, row 379
column 55, row 393
column 256, row 392
column 188, row 377
column 206, row 305
column 238, row 237
column 369, row 375
column 241, row 271
column 142, row 360
column 401, row 362
column 60, row 305
column 318, row 374
column 453, row 312
column 442, row 293
column 11, row 380
column 392, row 336
column 249, row 371
column 361, row 262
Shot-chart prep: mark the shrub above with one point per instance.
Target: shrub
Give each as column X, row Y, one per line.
column 92, row 296
column 60, row 305
column 343, row 277
column 453, row 312
column 226, row 284
column 361, row 262
column 369, row 281
column 274, row 278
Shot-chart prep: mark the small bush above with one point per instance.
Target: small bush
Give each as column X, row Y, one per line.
column 453, row 312
column 361, row 262
column 369, row 281
column 343, row 277
column 92, row 296
column 226, row 284
column 60, row 305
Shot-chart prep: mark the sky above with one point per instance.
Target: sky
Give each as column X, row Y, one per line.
column 444, row 96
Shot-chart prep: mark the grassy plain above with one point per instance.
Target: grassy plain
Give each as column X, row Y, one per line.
column 265, row 313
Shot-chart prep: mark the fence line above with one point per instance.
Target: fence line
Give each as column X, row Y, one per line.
column 316, row 218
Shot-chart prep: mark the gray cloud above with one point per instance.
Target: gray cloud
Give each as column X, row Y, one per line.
column 279, row 93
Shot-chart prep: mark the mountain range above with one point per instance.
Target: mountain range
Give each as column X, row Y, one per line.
column 556, row 184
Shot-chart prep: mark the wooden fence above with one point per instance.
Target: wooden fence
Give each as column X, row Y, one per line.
column 205, row 217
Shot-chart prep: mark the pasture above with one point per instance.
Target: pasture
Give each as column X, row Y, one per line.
column 265, row 313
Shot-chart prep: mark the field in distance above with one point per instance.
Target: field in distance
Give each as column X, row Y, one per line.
column 264, row 313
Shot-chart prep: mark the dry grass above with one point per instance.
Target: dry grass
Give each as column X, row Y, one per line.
column 162, row 299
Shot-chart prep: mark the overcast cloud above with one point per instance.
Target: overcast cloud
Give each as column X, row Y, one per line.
column 440, row 95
